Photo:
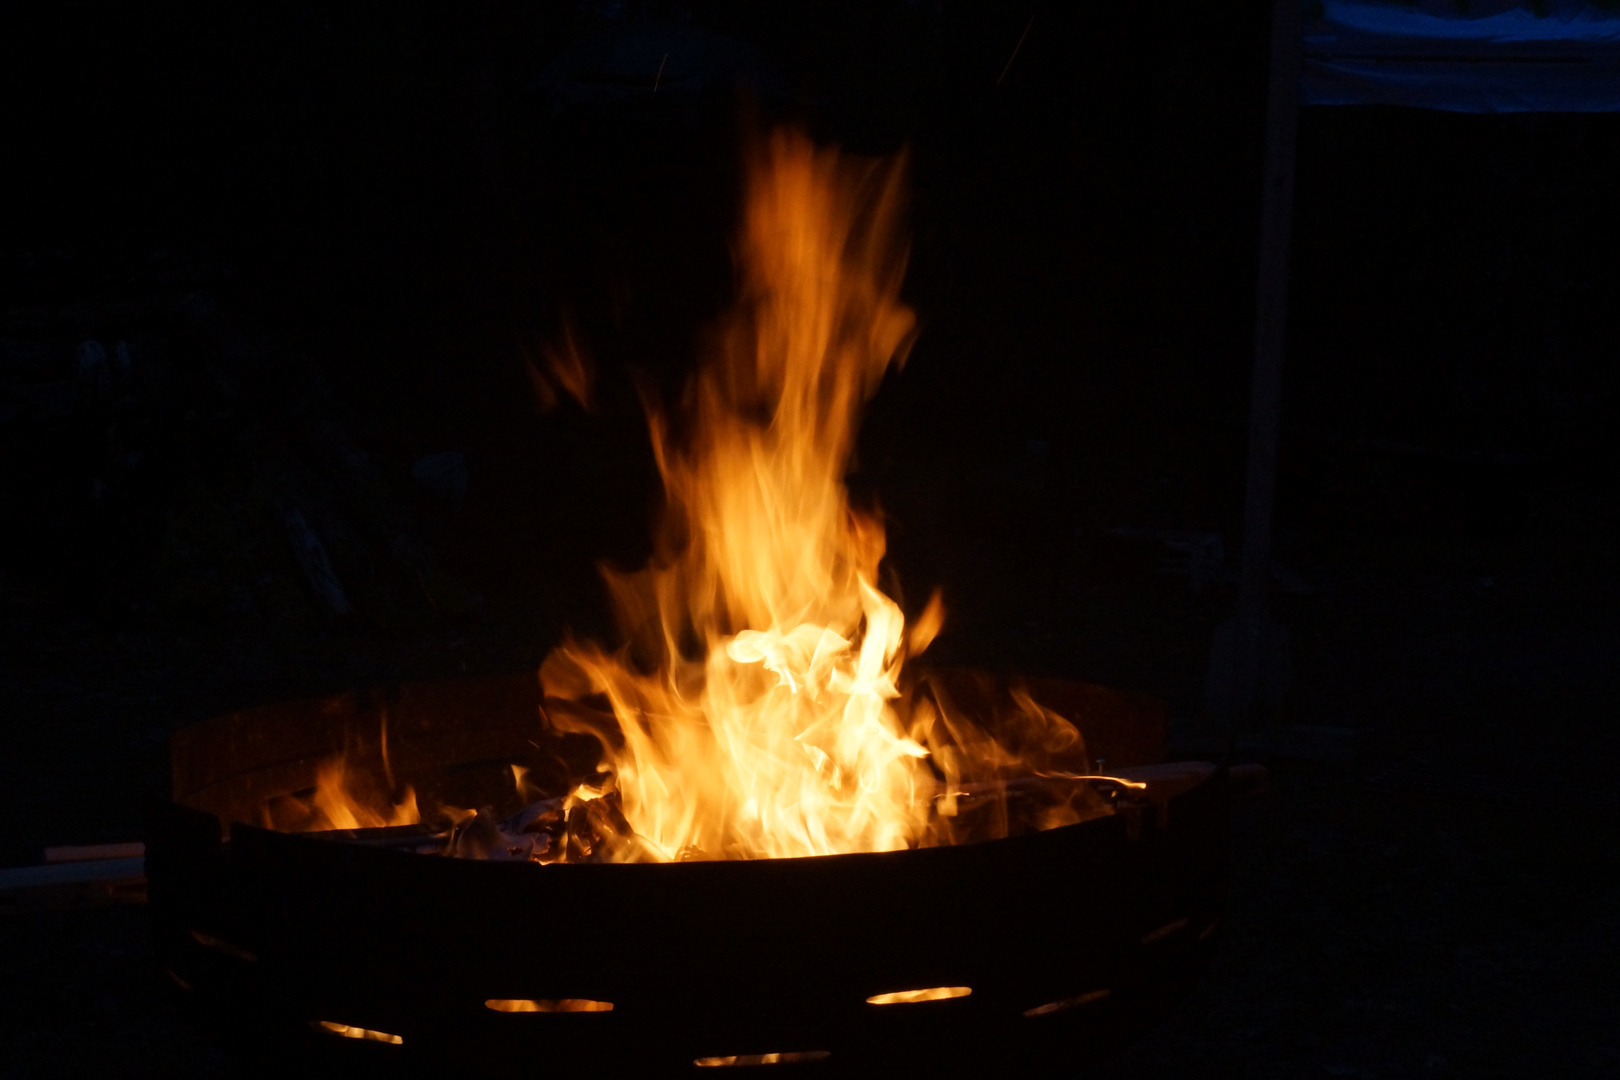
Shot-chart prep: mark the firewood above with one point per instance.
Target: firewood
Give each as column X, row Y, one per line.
column 479, row 837
column 542, row 816
column 579, row 844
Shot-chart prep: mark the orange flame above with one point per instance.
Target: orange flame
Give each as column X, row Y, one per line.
column 343, row 798
column 757, row 711
column 568, row 371
column 337, row 803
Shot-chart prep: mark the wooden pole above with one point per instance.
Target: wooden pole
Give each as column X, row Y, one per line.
column 1271, row 306
column 1245, row 660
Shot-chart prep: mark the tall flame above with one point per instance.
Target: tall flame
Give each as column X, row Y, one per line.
column 757, row 709
column 755, row 702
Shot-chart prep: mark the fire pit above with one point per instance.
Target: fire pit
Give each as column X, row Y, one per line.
column 752, row 835
column 1050, row 947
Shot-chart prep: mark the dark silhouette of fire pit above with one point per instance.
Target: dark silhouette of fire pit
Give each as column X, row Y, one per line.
column 1042, row 950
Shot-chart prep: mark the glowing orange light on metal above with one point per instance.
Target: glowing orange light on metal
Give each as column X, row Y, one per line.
column 762, row 1059
column 547, row 1005
column 350, row 1032
column 932, row 993
column 1075, row 1002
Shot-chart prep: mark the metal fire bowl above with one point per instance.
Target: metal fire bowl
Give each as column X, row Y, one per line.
column 1072, row 940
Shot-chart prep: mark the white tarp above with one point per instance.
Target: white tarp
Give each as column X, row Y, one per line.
column 1463, row 55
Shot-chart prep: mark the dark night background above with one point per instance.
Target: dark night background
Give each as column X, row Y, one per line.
column 262, row 258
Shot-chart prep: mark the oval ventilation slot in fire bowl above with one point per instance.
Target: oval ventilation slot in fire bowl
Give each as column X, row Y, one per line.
column 348, row 1031
column 1064, row 1004
column 548, row 1005
column 220, row 945
column 931, row 993
column 762, row 1059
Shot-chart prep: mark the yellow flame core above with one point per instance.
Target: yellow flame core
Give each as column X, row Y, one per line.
column 755, row 702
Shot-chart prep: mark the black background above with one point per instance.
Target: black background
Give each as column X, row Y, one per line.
column 330, row 235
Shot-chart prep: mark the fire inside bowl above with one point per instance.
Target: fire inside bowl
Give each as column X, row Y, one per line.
column 1047, row 949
